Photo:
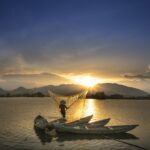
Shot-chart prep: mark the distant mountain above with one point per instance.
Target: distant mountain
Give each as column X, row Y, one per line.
column 68, row 89
column 107, row 88
column 20, row 91
column 64, row 89
column 110, row 89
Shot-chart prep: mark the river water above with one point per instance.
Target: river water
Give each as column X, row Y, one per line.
column 17, row 131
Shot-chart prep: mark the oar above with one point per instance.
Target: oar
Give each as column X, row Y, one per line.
column 127, row 143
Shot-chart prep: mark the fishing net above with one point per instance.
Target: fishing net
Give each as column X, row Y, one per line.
column 70, row 100
column 74, row 102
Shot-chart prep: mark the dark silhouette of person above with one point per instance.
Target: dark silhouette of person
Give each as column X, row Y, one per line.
column 63, row 108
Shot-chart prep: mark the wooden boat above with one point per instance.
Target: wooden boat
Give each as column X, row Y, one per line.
column 101, row 130
column 81, row 121
column 41, row 123
column 85, row 122
column 96, row 124
column 61, row 137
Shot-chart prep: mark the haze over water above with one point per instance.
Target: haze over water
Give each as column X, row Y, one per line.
column 17, row 132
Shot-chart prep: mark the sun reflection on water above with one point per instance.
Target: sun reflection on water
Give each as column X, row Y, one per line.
column 85, row 108
column 89, row 108
column 95, row 108
column 81, row 109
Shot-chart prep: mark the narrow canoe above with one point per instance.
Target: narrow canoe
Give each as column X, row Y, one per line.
column 41, row 123
column 100, row 130
column 97, row 124
column 61, row 137
column 81, row 121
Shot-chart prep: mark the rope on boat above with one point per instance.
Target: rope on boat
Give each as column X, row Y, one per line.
column 128, row 143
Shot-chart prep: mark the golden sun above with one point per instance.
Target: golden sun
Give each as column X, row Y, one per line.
column 86, row 81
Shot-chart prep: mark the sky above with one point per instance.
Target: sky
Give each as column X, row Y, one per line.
column 106, row 39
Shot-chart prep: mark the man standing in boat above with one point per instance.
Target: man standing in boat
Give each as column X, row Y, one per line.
column 63, row 108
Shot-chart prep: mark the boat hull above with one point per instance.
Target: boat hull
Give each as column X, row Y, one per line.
column 81, row 121
column 97, row 124
column 99, row 131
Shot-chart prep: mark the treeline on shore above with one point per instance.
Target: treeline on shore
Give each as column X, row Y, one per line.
column 37, row 94
column 97, row 95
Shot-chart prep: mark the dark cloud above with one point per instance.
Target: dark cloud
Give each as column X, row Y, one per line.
column 138, row 76
column 141, row 76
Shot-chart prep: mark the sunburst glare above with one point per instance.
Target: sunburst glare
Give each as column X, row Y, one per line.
column 87, row 81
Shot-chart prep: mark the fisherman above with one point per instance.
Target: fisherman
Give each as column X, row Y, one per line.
column 63, row 108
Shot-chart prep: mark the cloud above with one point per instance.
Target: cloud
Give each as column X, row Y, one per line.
column 141, row 76
column 31, row 80
column 10, row 65
column 137, row 76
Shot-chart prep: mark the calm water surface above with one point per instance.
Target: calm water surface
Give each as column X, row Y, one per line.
column 17, row 132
